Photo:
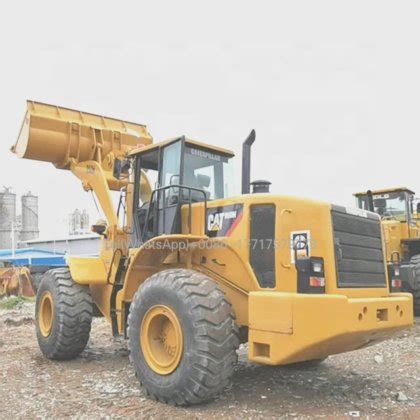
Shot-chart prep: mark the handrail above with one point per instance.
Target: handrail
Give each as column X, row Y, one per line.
column 284, row 211
column 158, row 191
column 108, row 279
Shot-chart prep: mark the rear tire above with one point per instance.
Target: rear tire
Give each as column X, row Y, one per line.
column 416, row 302
column 415, row 291
column 199, row 336
column 63, row 315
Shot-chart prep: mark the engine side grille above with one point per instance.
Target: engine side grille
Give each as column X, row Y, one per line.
column 261, row 247
column 358, row 249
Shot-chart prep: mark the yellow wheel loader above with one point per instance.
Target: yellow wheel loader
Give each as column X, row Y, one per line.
column 188, row 271
column 400, row 213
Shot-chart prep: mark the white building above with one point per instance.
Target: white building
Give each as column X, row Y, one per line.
column 85, row 244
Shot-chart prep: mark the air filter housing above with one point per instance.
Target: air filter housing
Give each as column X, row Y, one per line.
column 260, row 186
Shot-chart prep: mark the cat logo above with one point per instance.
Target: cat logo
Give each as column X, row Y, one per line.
column 222, row 220
column 215, row 221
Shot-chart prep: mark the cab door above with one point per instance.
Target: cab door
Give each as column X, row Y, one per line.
column 168, row 196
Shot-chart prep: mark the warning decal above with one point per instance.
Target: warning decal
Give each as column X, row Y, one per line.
column 300, row 243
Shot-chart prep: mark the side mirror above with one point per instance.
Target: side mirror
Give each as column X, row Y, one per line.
column 121, row 168
column 100, row 229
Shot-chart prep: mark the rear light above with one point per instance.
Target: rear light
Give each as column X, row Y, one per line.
column 396, row 283
column 317, row 281
column 310, row 275
column 394, row 271
column 317, row 266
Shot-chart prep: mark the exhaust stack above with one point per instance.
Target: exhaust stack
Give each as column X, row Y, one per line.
column 246, row 162
column 371, row 207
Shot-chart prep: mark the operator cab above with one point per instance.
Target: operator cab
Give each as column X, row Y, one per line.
column 174, row 173
column 391, row 204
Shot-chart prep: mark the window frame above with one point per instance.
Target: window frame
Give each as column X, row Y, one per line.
column 209, row 150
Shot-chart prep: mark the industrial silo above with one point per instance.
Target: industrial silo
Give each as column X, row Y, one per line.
column 30, row 229
column 79, row 222
column 7, row 217
column 84, row 222
column 75, row 222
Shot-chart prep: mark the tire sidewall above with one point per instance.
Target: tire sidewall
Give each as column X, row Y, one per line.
column 161, row 294
column 47, row 343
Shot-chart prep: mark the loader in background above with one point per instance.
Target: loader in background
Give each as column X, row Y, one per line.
column 400, row 214
column 188, row 270
column 15, row 281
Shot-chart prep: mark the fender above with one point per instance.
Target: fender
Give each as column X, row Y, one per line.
column 150, row 258
column 156, row 255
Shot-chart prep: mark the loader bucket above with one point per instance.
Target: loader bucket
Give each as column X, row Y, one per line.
column 16, row 281
column 61, row 135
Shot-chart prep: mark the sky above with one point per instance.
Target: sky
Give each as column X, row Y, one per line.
column 331, row 88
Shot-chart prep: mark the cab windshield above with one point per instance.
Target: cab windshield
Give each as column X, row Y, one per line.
column 392, row 205
column 208, row 171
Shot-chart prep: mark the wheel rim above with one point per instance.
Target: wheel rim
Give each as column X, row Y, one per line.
column 161, row 339
column 46, row 314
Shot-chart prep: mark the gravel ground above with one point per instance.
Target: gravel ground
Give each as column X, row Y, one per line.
column 382, row 380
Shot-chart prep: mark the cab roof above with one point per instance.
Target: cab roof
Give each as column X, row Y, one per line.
column 190, row 142
column 386, row 190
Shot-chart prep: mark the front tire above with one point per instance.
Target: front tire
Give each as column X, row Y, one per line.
column 63, row 315
column 182, row 337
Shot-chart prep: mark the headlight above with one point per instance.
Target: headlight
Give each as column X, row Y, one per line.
column 397, row 271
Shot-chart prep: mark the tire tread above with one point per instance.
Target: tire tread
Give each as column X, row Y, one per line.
column 73, row 316
column 217, row 336
column 415, row 291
